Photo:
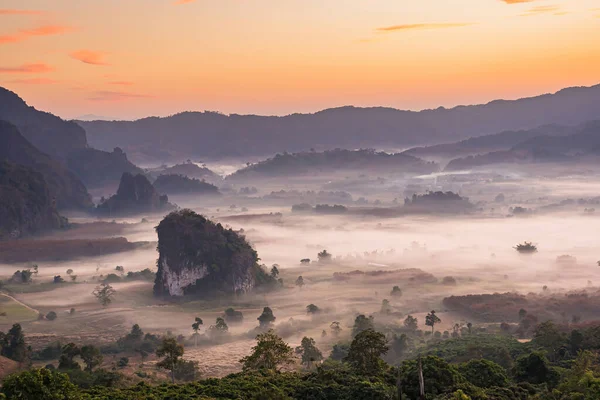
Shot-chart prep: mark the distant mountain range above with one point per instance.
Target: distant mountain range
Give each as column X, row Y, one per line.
column 212, row 135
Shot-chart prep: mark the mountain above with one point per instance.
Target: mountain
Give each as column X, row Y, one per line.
column 313, row 163
column 135, row 195
column 581, row 145
column 210, row 134
column 63, row 185
column 47, row 132
column 188, row 169
column 26, row 205
column 96, row 167
column 180, row 184
column 487, row 143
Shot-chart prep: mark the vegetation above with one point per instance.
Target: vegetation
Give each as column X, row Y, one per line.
column 172, row 352
column 266, row 319
column 526, row 248
column 180, row 184
column 104, row 293
column 269, row 353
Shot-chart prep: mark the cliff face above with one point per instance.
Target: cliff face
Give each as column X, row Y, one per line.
column 64, row 186
column 135, row 194
column 26, row 205
column 197, row 256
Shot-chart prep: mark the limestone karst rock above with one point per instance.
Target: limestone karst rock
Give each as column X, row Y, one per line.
column 135, row 195
column 197, row 256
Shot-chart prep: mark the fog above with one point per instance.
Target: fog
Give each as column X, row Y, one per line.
column 476, row 248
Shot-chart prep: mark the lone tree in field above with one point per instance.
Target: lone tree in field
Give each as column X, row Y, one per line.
column 365, row 352
column 396, row 292
column 269, row 353
column 300, row 282
column 267, row 318
column 324, row 257
column 431, row 319
column 312, row 309
column 526, row 248
column 309, row 351
column 335, row 328
column 196, row 327
column 91, row 357
column 172, row 352
column 104, row 293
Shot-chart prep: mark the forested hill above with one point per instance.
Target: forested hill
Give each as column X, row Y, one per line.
column 212, row 134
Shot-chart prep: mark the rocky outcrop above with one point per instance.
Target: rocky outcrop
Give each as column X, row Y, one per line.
column 197, row 256
column 135, row 195
column 96, row 168
column 64, row 186
column 26, row 205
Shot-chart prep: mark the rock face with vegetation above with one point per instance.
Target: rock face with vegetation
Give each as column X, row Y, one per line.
column 64, row 186
column 135, row 194
column 26, row 206
column 197, row 256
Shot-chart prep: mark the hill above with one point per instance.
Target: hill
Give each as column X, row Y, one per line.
column 581, row 145
column 311, row 163
column 190, row 170
column 63, row 185
column 135, row 195
column 45, row 131
column 212, row 134
column 26, row 205
column 179, row 184
column 97, row 167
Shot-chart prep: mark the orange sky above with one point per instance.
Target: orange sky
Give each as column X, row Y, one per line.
column 133, row 58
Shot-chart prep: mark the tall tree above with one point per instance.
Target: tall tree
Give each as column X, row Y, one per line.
column 66, row 360
column 269, row 353
column 431, row 320
column 172, row 352
column 196, row 327
column 366, row 350
column 309, row 351
column 104, row 293
column 91, row 356
column 13, row 344
column 362, row 323
column 267, row 318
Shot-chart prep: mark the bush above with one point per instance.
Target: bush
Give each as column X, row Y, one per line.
column 123, row 362
column 51, row 316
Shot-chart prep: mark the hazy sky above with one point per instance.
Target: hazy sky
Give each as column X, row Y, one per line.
column 132, row 58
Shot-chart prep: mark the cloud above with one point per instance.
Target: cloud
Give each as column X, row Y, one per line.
column 121, row 83
column 179, row 2
column 89, row 57
column 8, row 11
column 24, row 34
column 407, row 27
column 35, row 81
column 27, row 69
column 542, row 10
column 108, row 95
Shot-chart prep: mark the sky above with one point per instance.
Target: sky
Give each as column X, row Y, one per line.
column 128, row 59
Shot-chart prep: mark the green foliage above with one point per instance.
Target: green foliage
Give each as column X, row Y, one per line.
column 431, row 320
column 535, row 369
column 526, row 248
column 312, row 309
column 269, row 353
column 91, row 357
column 186, row 371
column 365, row 352
column 484, row 373
column 197, row 324
column 309, row 352
column 123, row 362
column 104, row 293
column 172, row 352
column 51, row 316
column 439, row 377
column 39, row 384
column 66, row 360
column 233, row 316
column 13, row 344
column 410, row 323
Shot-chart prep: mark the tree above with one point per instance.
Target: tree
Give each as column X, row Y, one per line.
column 439, row 378
column 484, row 373
column 69, row 271
column 91, row 357
column 410, row 323
column 267, row 318
column 362, row 323
column 172, row 352
column 69, row 352
column 73, row 278
column 309, row 352
column 312, row 309
column 300, row 282
column 335, row 328
column 13, row 344
column 219, row 328
column 324, row 257
column 104, row 293
column 51, row 316
column 365, row 352
column 232, row 315
column 396, row 292
column 535, row 369
column 39, row 384
column 399, row 345
column 431, row 319
column 269, row 353
column 275, row 271
column 306, row 261
column 526, row 248
column 522, row 313
column 385, row 307
column 186, row 371
column 196, row 327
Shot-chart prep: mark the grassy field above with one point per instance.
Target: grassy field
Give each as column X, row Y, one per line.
column 15, row 312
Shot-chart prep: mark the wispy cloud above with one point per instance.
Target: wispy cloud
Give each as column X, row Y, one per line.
column 108, row 95
column 9, row 11
column 27, row 69
column 543, row 10
column 24, row 34
column 89, row 57
column 35, row 81
column 179, row 2
column 406, row 27
column 121, row 83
